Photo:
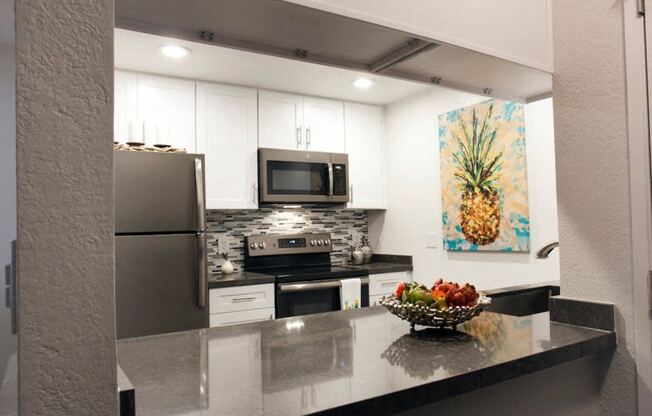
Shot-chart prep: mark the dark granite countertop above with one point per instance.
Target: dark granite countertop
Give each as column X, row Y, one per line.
column 238, row 279
column 382, row 267
column 513, row 290
column 346, row 363
column 386, row 263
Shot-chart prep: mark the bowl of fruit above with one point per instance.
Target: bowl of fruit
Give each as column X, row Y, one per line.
column 445, row 304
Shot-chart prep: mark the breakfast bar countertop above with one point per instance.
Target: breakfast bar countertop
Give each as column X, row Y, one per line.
column 362, row 361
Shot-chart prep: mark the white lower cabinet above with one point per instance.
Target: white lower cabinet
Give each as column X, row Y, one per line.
column 241, row 304
column 383, row 284
column 227, row 124
column 375, row 300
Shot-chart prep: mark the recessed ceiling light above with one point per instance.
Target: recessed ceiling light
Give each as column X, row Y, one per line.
column 363, row 83
column 173, row 51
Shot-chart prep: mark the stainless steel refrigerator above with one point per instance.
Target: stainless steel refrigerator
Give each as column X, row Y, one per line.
column 160, row 244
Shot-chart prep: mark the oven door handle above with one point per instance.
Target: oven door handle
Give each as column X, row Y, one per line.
column 308, row 286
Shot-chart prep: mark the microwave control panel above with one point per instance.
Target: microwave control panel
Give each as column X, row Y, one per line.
column 339, row 180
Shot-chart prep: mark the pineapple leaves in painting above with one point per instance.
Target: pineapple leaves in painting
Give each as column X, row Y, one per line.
column 478, row 163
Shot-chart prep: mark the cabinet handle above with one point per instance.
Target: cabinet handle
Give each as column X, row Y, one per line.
column 247, row 299
column 298, row 137
column 388, row 284
column 271, row 316
column 313, row 395
column 307, row 137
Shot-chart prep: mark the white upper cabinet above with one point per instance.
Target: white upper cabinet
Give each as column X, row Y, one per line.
column 154, row 110
column 166, row 106
column 294, row 122
column 280, row 120
column 364, row 144
column 323, row 124
column 226, row 134
column 125, row 106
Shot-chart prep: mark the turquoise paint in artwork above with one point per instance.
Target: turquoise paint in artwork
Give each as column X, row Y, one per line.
column 490, row 215
column 508, row 110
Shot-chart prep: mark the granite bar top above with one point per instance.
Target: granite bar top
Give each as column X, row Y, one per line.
column 238, row 279
column 513, row 290
column 357, row 362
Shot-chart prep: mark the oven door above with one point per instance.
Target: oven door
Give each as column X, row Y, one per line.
column 295, row 177
column 315, row 296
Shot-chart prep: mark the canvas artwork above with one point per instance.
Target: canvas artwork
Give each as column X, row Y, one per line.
column 484, row 178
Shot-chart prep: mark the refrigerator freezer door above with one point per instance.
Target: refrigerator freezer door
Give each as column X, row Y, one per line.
column 158, row 192
column 158, row 284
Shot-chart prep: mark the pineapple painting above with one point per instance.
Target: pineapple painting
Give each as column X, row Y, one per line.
column 484, row 180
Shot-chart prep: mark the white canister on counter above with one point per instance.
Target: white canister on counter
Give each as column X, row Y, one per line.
column 227, row 266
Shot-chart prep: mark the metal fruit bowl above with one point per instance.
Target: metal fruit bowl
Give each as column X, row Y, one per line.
column 429, row 316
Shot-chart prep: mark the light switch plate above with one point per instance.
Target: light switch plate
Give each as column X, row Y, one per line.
column 431, row 239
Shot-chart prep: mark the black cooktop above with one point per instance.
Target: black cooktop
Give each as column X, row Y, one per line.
column 308, row 273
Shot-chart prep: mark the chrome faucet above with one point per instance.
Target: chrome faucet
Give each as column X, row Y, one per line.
column 545, row 251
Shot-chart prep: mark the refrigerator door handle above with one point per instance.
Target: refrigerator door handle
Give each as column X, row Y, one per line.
column 330, row 179
column 203, row 270
column 201, row 205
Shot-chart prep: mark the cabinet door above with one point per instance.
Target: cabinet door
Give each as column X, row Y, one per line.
column 385, row 283
column 364, row 144
column 167, row 109
column 125, row 107
column 324, row 125
column 242, row 298
column 226, row 134
column 280, row 120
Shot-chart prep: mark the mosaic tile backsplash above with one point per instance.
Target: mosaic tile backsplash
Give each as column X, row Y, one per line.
column 228, row 228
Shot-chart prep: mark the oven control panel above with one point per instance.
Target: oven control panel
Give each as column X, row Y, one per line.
column 270, row 245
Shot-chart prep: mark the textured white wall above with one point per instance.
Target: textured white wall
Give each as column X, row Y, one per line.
column 593, row 177
column 65, row 207
column 413, row 192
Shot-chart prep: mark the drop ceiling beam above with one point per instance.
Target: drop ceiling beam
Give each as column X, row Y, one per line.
column 412, row 48
column 305, row 56
column 216, row 39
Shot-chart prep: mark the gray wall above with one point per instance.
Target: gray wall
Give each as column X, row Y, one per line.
column 593, row 176
column 7, row 169
column 65, row 207
column 594, row 221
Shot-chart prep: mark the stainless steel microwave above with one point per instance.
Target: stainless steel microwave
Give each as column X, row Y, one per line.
column 297, row 177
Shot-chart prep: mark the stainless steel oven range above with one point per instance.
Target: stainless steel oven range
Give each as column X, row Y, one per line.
column 306, row 281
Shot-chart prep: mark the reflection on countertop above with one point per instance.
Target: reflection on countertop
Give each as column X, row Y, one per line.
column 349, row 360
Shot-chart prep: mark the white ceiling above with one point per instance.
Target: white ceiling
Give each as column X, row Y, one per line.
column 137, row 51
